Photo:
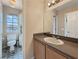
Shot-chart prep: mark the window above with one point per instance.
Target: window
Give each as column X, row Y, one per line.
column 12, row 23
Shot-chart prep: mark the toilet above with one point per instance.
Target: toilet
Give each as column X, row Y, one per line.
column 11, row 41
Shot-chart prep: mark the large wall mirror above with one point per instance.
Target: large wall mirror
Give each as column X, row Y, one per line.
column 62, row 22
column 66, row 24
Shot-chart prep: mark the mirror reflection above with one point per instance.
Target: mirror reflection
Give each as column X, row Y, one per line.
column 62, row 22
column 11, row 33
column 66, row 24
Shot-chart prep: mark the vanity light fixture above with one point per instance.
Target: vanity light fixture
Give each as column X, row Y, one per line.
column 54, row 2
column 48, row 4
column 51, row 3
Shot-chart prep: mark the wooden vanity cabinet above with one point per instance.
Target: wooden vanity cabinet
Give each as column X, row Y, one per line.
column 43, row 51
column 39, row 50
column 53, row 54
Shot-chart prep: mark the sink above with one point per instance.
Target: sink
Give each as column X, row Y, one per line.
column 54, row 41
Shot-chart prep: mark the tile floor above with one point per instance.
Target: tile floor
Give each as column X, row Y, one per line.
column 17, row 55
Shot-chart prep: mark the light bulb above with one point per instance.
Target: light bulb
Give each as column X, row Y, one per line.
column 48, row 4
column 53, row 1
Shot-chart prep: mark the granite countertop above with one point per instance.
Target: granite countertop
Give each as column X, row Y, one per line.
column 68, row 47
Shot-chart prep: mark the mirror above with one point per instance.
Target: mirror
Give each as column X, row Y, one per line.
column 62, row 22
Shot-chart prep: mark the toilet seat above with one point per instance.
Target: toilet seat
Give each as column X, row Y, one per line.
column 11, row 41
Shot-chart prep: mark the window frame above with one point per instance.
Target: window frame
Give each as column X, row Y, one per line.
column 12, row 24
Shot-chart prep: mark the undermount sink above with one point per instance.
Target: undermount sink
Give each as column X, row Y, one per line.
column 54, row 41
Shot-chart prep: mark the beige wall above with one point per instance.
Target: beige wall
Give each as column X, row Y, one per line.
column 10, row 10
column 33, row 23
column 47, row 21
column 48, row 14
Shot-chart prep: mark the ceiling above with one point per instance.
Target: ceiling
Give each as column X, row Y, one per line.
column 18, row 4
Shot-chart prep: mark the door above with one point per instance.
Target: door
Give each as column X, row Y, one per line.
column 71, row 24
column 0, row 31
column 13, row 49
column 39, row 50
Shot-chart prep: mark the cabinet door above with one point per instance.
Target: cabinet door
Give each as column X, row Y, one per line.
column 39, row 50
column 52, row 54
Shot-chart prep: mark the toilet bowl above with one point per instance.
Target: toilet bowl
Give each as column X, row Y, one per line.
column 11, row 41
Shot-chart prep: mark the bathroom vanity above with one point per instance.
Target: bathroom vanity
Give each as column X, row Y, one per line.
column 61, row 21
column 44, row 50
